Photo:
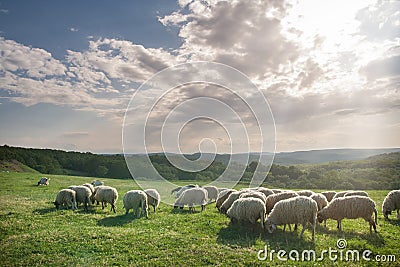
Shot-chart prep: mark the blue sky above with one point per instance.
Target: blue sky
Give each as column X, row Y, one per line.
column 330, row 71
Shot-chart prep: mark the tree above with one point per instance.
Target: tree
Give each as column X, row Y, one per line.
column 101, row 171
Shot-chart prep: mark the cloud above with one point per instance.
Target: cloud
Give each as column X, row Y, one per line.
column 72, row 29
column 382, row 68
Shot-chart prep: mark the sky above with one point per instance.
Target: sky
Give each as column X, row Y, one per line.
column 326, row 74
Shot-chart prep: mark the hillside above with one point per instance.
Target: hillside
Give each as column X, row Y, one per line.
column 13, row 165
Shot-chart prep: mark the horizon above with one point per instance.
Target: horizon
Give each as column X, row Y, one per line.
column 191, row 75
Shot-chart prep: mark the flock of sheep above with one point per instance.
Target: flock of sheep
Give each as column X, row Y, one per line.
column 271, row 206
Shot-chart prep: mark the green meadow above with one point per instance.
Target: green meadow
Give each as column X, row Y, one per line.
column 33, row 232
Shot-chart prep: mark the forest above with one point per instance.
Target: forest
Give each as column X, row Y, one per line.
column 376, row 172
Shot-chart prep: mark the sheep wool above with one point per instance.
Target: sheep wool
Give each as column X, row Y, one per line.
column 222, row 196
column 254, row 194
column 106, row 194
column 91, row 187
column 83, row 195
column 66, row 197
column 306, row 193
column 329, row 195
column 229, row 201
column 212, row 192
column 356, row 193
column 275, row 198
column 248, row 209
column 391, row 203
column 321, row 200
column 297, row 210
column 341, row 194
column 267, row 192
column 136, row 200
column 192, row 197
column 352, row 207
column 153, row 198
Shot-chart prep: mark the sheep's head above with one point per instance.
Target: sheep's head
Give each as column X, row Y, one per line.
column 321, row 216
column 56, row 204
column 271, row 227
column 386, row 212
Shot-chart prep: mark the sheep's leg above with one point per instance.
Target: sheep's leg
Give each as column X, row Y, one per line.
column 113, row 208
column 339, row 225
column 102, row 205
column 126, row 211
column 302, row 230
column 372, row 224
column 295, row 227
column 154, row 207
column 284, row 227
column 325, row 223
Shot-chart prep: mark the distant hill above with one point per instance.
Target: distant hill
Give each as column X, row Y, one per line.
column 15, row 166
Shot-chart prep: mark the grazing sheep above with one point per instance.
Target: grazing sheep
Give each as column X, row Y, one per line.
column 275, row 198
column 106, row 194
column 192, row 197
column 254, row 194
column 321, row 200
column 350, row 208
column 277, row 191
column 153, row 198
column 175, row 190
column 297, row 210
column 306, row 193
column 83, row 195
column 43, row 181
column 212, row 192
column 97, row 183
column 340, row 194
column 91, row 187
column 267, row 192
column 184, row 188
column 65, row 197
column 391, row 203
column 229, row 201
column 222, row 196
column 329, row 195
column 356, row 193
column 247, row 209
column 221, row 189
column 136, row 199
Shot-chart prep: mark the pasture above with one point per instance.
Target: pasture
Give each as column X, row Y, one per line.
column 33, row 232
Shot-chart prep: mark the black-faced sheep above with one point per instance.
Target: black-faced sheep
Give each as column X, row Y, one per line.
column 391, row 203
column 153, row 198
column 136, row 200
column 192, row 197
column 248, row 209
column 329, row 195
column 106, row 194
column 352, row 207
column 65, row 197
column 222, row 196
column 83, row 195
column 296, row 210
column 275, row 198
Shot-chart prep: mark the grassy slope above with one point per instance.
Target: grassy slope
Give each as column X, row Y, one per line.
column 32, row 232
column 15, row 166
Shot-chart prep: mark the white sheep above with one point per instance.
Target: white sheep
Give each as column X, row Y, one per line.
column 136, row 199
column 340, row 194
column 192, row 197
column 296, row 210
column 66, row 197
column 356, row 193
column 91, row 187
column 306, row 193
column 229, row 201
column 83, row 195
column 212, row 192
column 391, row 203
column 153, row 198
column 222, row 196
column 248, row 209
column 352, row 207
column 106, row 194
column 184, row 188
column 329, row 195
column 321, row 200
column 267, row 192
column 275, row 198
column 254, row 194
column 277, row 191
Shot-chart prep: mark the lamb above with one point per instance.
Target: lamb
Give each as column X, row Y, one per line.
column 83, row 195
column 391, row 203
column 329, row 195
column 222, row 196
column 247, row 209
column 153, row 198
column 195, row 196
column 229, row 201
column 321, row 200
column 66, row 197
column 254, row 194
column 297, row 210
column 306, row 193
column 275, row 198
column 97, row 183
column 356, row 193
column 136, row 199
column 106, row 194
column 212, row 192
column 352, row 207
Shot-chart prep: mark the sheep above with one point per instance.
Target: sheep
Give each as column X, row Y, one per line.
column 176, row 190
column 391, row 203
column 153, row 198
column 329, row 195
column 91, row 187
column 277, row 191
column 356, row 193
column 83, row 195
column 192, row 197
column 136, row 199
column 297, row 210
column 254, row 194
column 267, row 192
column 97, row 183
column 340, row 194
column 106, row 194
column 306, row 193
column 229, row 201
column 222, row 196
column 321, row 200
column 247, row 209
column 275, row 198
column 184, row 188
column 65, row 197
column 212, row 192
column 96, row 188
column 352, row 207
column 43, row 181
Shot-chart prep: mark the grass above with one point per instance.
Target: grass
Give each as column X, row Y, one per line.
column 33, row 232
